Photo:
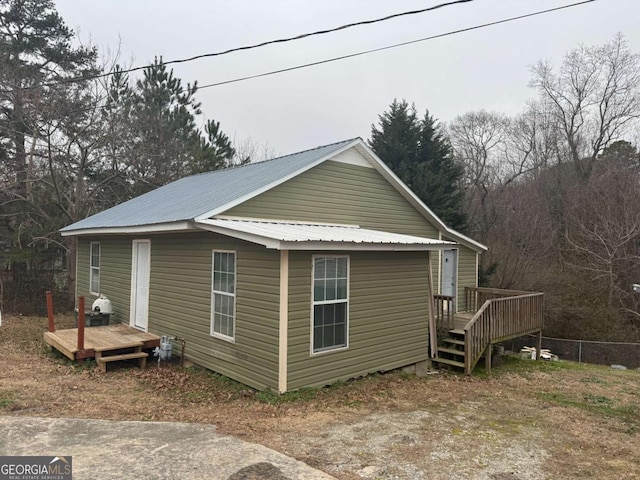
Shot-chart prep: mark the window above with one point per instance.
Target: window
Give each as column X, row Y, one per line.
column 223, row 295
column 94, row 270
column 330, row 303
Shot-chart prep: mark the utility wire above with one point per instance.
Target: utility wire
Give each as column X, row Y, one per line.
column 250, row 47
column 389, row 47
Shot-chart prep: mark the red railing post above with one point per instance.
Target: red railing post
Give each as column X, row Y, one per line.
column 52, row 327
column 80, row 324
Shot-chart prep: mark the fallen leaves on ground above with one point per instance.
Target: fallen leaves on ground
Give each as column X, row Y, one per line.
column 525, row 420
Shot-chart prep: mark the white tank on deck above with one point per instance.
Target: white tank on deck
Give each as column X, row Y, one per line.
column 102, row 305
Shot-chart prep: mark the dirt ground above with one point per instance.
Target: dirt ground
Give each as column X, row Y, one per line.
column 525, row 420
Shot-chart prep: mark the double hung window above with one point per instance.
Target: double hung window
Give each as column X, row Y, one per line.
column 330, row 303
column 223, row 295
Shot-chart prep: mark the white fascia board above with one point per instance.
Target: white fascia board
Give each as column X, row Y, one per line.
column 368, row 247
column 280, row 181
column 415, row 201
column 249, row 237
column 154, row 228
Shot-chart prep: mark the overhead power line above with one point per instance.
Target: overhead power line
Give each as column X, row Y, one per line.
column 251, row 47
column 389, row 47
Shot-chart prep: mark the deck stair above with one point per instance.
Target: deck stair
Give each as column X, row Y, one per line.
column 451, row 352
column 105, row 355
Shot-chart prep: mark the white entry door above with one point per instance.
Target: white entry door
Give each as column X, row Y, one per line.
column 449, row 269
column 140, row 270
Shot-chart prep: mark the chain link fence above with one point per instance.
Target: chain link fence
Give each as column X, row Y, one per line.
column 583, row 351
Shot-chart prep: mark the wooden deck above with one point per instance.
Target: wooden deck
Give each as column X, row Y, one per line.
column 491, row 316
column 102, row 339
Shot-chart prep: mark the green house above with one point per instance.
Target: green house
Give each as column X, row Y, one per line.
column 292, row 272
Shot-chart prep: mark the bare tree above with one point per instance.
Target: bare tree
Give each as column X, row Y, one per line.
column 594, row 98
column 603, row 231
column 250, row 150
column 479, row 140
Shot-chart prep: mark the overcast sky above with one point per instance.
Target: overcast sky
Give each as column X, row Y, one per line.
column 483, row 69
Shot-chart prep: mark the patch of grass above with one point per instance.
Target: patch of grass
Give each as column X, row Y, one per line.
column 88, row 365
column 596, row 399
column 274, row 398
column 593, row 380
column 516, row 364
column 597, row 404
column 6, row 400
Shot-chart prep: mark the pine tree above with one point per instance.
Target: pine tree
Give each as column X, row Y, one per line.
column 35, row 49
column 418, row 151
column 36, row 54
column 162, row 118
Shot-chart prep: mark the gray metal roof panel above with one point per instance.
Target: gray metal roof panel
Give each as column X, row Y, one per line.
column 189, row 197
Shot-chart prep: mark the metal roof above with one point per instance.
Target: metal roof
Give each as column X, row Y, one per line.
column 194, row 196
column 311, row 236
column 178, row 206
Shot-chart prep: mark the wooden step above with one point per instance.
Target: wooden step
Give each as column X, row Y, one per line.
column 103, row 360
column 446, row 361
column 119, row 345
column 456, row 332
column 455, row 341
column 122, row 356
column 451, row 351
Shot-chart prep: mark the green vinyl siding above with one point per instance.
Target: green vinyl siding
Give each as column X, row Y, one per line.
column 337, row 192
column 115, row 274
column 388, row 317
column 180, row 304
column 180, row 298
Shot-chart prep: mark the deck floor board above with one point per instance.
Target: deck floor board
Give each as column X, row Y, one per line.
column 460, row 319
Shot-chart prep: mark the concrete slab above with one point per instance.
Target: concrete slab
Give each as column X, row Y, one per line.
column 151, row 450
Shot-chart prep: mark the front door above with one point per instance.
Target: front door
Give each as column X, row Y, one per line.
column 140, row 269
column 449, row 269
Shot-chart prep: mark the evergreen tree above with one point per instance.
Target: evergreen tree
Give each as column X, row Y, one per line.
column 165, row 142
column 418, row 151
column 35, row 50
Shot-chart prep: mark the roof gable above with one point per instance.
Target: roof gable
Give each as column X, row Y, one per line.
column 195, row 196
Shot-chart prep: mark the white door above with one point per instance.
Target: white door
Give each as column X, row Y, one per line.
column 449, row 268
column 140, row 269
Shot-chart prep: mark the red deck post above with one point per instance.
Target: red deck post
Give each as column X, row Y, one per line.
column 52, row 327
column 80, row 324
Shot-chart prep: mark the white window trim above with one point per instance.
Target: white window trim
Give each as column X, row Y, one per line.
column 216, row 292
column 92, row 268
column 326, row 302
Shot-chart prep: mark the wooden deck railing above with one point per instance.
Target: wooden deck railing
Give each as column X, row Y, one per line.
column 444, row 312
column 474, row 297
column 505, row 314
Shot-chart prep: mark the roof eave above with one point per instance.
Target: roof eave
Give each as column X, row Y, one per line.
column 315, row 245
column 361, row 246
column 131, row 229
